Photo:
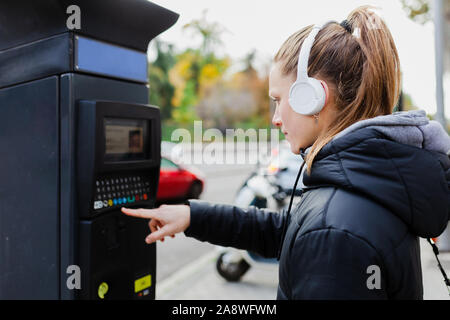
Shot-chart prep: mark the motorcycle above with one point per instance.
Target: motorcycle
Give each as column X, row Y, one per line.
column 262, row 189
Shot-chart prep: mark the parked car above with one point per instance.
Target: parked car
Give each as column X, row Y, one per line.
column 178, row 183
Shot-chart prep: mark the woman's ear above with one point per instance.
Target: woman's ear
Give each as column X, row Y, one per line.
column 325, row 88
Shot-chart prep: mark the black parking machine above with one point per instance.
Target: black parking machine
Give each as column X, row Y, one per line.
column 79, row 141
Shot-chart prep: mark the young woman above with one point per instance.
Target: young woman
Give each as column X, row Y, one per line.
column 375, row 181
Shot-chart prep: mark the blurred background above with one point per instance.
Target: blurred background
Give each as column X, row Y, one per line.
column 213, row 66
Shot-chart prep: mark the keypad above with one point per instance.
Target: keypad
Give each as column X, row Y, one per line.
column 120, row 190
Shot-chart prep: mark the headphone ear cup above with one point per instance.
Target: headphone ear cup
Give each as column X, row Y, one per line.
column 307, row 97
column 321, row 94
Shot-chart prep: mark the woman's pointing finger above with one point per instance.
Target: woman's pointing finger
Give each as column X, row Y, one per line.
column 140, row 213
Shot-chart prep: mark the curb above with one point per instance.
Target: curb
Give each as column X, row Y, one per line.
column 170, row 283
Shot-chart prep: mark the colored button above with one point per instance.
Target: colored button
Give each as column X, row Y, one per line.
column 137, row 198
column 102, row 290
column 124, row 200
column 130, row 199
column 110, row 202
column 119, row 200
column 98, row 205
column 142, row 283
column 145, row 196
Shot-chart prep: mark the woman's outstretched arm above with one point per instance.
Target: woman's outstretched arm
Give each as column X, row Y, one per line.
column 257, row 230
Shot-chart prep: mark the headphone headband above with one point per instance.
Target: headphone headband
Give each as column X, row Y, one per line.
column 302, row 65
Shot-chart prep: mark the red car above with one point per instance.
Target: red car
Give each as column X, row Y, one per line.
column 177, row 184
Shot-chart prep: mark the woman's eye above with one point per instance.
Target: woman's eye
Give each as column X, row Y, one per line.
column 276, row 101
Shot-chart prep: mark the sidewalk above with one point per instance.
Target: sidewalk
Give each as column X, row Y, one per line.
column 433, row 281
column 200, row 281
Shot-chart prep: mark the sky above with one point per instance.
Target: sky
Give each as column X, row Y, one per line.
column 265, row 24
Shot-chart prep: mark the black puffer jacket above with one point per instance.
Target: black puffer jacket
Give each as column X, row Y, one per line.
column 368, row 199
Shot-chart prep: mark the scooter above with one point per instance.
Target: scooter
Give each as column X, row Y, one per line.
column 261, row 190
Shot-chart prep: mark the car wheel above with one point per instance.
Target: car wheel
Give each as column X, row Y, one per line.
column 231, row 271
column 195, row 190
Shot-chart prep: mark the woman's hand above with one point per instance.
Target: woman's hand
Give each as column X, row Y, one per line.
column 167, row 220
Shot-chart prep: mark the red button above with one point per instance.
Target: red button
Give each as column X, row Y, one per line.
column 145, row 196
column 137, row 198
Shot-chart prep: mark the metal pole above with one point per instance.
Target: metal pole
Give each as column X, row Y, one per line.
column 439, row 57
column 444, row 238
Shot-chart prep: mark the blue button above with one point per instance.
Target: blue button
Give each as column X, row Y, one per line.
column 115, row 201
column 119, row 200
column 124, row 200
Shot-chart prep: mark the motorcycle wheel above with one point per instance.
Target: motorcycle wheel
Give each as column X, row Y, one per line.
column 231, row 271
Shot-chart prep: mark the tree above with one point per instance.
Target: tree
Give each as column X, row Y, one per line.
column 197, row 70
column 161, row 89
column 420, row 11
column 210, row 33
column 194, row 84
column 417, row 10
column 249, row 79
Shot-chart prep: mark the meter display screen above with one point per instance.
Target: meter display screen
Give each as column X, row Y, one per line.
column 126, row 139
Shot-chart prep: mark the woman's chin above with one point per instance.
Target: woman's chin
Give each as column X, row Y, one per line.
column 294, row 149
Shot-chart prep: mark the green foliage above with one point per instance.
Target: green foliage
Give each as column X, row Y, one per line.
column 189, row 94
column 161, row 89
column 191, row 85
column 417, row 10
column 169, row 126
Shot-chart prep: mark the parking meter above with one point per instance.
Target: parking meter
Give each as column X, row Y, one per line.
column 79, row 141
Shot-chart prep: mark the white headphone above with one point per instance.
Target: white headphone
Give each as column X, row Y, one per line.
column 307, row 95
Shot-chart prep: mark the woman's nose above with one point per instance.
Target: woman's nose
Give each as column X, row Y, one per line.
column 276, row 119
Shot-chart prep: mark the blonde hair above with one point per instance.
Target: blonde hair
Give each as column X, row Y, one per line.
column 361, row 68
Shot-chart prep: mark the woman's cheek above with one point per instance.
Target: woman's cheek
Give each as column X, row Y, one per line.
column 286, row 113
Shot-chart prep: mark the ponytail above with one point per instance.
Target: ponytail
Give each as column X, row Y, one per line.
column 381, row 70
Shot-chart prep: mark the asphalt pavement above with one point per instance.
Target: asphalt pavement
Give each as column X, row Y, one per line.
column 200, row 281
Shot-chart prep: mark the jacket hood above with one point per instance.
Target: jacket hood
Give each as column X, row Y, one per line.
column 400, row 161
